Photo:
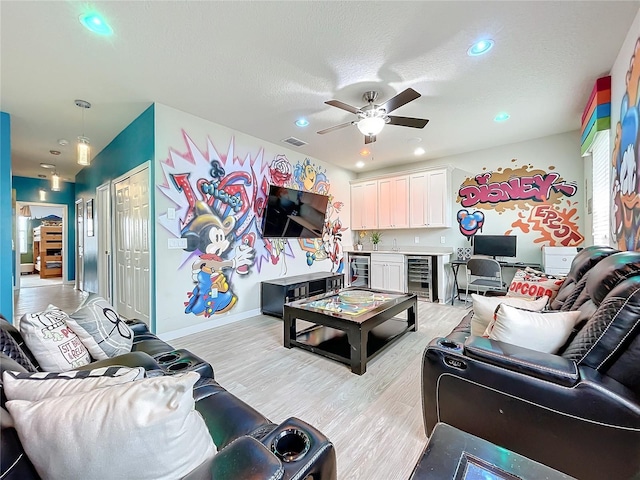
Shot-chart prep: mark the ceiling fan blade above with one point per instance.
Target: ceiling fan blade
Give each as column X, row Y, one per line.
column 400, row 99
column 369, row 139
column 336, row 127
column 343, row 106
column 408, row 121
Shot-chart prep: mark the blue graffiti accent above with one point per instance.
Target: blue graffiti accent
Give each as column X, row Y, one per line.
column 470, row 223
column 203, row 299
column 311, row 257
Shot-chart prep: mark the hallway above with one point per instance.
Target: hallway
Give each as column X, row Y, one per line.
column 36, row 299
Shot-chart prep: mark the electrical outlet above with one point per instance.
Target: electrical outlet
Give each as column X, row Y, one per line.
column 416, row 239
column 443, row 240
column 177, row 243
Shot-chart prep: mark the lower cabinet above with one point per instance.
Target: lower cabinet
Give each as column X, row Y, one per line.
column 388, row 272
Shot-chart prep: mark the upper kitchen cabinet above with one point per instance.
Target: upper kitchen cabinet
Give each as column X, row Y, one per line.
column 430, row 199
column 393, row 202
column 364, row 205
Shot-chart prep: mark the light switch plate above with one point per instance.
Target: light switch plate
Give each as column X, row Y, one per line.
column 417, row 239
column 171, row 213
column 443, row 240
column 177, row 243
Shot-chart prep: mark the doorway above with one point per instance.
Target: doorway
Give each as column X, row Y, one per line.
column 132, row 242
column 41, row 259
column 79, row 222
column 103, row 213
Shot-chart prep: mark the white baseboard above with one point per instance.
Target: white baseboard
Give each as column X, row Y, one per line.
column 213, row 323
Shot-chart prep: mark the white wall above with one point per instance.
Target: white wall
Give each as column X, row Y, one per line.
column 186, row 144
column 557, row 153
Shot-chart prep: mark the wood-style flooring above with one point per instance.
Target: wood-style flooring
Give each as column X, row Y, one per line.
column 374, row 420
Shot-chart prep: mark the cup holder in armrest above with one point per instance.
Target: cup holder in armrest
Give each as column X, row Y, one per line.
column 450, row 344
column 168, row 358
column 291, row 445
column 179, row 366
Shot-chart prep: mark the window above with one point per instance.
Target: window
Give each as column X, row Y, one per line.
column 23, row 224
column 601, row 188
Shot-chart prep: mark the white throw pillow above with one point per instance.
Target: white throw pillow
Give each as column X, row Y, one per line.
column 147, row 429
column 100, row 328
column 484, row 309
column 37, row 386
column 56, row 347
column 540, row 331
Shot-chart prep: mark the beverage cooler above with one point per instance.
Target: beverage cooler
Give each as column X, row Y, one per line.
column 359, row 270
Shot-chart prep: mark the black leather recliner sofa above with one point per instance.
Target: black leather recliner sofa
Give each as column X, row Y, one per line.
column 578, row 410
column 249, row 445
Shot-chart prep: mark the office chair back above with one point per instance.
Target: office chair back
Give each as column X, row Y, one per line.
column 483, row 274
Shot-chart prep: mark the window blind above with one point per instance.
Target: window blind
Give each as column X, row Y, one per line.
column 601, row 188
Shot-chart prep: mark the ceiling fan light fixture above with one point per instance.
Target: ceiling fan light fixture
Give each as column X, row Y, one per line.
column 360, row 164
column 371, row 126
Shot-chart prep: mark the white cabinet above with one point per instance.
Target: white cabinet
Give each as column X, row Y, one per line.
column 430, row 199
column 364, row 205
column 393, row 202
column 388, row 272
column 557, row 260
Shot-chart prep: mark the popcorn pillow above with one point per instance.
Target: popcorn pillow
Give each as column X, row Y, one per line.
column 540, row 331
column 147, row 429
column 37, row 386
column 100, row 328
column 484, row 309
column 56, row 347
column 534, row 284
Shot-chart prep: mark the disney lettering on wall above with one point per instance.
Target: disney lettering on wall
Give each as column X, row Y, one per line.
column 523, row 189
column 219, row 201
column 625, row 201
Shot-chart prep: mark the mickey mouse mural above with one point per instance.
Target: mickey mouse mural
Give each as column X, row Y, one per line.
column 470, row 223
column 213, row 237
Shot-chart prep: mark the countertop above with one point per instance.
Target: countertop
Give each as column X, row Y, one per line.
column 407, row 250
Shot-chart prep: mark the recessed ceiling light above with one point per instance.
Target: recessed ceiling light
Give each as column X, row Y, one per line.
column 480, row 48
column 501, row 117
column 47, row 165
column 414, row 140
column 302, row 122
column 63, row 142
column 95, row 23
column 40, row 175
column 364, row 152
column 54, row 152
column 360, row 164
column 419, row 151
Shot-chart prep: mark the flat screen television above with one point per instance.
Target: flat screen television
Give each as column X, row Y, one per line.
column 293, row 213
column 495, row 245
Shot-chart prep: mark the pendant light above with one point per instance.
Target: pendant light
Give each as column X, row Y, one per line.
column 55, row 182
column 42, row 195
column 84, row 147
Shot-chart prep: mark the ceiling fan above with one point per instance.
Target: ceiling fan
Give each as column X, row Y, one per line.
column 373, row 117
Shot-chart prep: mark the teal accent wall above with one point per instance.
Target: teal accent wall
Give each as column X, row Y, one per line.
column 28, row 189
column 131, row 147
column 7, row 254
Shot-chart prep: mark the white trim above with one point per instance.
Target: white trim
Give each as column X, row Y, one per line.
column 213, row 323
column 132, row 172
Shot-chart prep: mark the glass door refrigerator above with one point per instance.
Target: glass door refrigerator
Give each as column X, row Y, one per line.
column 359, row 268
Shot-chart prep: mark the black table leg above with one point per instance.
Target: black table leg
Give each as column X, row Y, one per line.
column 289, row 328
column 358, row 347
column 411, row 316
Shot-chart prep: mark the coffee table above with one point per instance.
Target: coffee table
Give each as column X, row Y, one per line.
column 349, row 333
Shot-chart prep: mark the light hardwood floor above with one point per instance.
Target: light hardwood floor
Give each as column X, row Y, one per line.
column 374, row 420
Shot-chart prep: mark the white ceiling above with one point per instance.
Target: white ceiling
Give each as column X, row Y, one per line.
column 257, row 66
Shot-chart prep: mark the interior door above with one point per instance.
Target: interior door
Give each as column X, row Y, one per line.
column 79, row 244
column 103, row 213
column 132, row 246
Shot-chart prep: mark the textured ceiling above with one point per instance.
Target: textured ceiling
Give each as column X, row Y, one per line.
column 257, row 66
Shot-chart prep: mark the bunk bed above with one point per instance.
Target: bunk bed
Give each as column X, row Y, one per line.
column 47, row 250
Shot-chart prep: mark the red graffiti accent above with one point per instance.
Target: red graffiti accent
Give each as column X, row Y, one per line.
column 537, row 188
column 181, row 181
column 556, row 227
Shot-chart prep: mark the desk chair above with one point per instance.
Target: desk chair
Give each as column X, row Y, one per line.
column 484, row 274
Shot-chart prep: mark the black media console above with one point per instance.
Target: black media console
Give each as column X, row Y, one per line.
column 275, row 293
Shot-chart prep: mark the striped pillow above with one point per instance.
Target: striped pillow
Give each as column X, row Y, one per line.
column 40, row 385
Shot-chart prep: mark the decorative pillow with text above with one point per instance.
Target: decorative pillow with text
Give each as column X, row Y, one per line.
column 56, row 347
column 534, row 284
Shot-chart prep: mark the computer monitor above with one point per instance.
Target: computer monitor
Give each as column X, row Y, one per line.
column 495, row 245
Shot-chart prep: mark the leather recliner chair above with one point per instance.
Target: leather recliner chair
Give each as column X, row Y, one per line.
column 578, row 410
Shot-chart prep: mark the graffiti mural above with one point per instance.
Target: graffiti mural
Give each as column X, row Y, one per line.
column 470, row 223
column 625, row 202
column 536, row 195
column 219, row 201
column 556, row 226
